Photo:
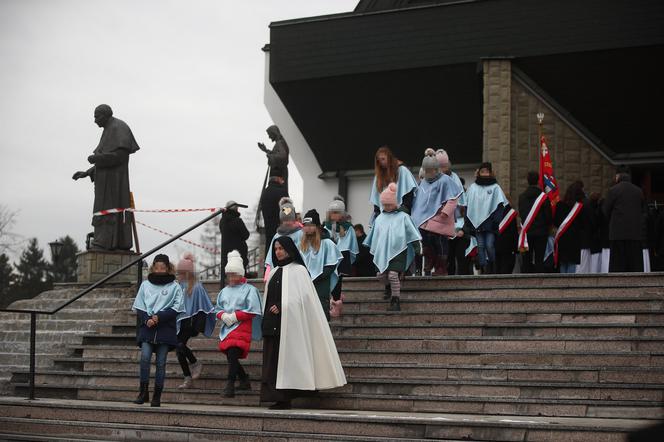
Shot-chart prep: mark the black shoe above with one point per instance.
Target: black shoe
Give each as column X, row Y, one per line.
column 281, row 405
column 156, row 397
column 229, row 390
column 395, row 305
column 388, row 292
column 244, row 384
column 143, row 394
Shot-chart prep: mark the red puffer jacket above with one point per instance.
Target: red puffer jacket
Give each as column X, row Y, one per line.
column 241, row 336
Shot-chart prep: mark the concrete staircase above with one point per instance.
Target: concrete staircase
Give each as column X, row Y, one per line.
column 505, row 358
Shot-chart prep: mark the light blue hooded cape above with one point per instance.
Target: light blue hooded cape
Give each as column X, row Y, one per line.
column 392, row 233
column 242, row 297
column 154, row 298
column 482, row 201
column 198, row 301
column 295, row 236
column 431, row 196
column 405, row 183
column 460, row 203
column 347, row 243
column 327, row 255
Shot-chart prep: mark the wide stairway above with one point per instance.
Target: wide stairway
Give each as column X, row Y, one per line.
column 493, row 358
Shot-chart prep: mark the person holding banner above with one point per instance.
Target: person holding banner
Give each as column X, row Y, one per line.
column 536, row 226
column 569, row 221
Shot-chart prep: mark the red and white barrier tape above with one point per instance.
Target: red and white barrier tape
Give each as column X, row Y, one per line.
column 209, row 249
column 122, row 210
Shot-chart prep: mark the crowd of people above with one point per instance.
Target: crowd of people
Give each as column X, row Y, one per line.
column 429, row 225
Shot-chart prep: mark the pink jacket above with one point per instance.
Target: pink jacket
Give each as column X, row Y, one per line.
column 442, row 222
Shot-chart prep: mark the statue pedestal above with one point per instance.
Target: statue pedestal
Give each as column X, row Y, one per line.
column 93, row 265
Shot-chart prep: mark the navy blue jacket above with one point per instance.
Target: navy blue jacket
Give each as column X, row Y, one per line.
column 165, row 332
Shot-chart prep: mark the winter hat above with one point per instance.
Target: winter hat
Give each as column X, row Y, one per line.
column 430, row 161
column 235, row 263
column 443, row 158
column 234, row 205
column 186, row 264
column 311, row 217
column 286, row 209
column 337, row 205
column 161, row 258
column 389, row 195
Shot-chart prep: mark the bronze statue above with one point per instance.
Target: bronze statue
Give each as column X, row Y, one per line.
column 110, row 175
column 277, row 158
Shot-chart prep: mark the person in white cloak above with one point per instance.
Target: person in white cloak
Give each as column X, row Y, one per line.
column 299, row 353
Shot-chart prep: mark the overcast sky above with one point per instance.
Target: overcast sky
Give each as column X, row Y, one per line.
column 187, row 76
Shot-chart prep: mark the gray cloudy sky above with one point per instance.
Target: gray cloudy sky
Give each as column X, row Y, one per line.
column 187, row 76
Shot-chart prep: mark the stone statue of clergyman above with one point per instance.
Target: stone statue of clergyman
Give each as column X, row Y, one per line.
column 110, row 174
column 278, row 156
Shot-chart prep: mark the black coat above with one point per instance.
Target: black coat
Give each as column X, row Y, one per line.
column 569, row 244
column 507, row 242
column 542, row 223
column 234, row 234
column 270, row 207
column 363, row 264
column 624, row 206
column 165, row 332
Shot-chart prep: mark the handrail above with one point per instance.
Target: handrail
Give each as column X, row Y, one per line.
column 34, row 313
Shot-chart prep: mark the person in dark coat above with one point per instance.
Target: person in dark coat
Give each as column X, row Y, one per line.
column 624, row 207
column 569, row 242
column 234, row 235
column 506, row 242
column 533, row 258
column 363, row 265
column 269, row 202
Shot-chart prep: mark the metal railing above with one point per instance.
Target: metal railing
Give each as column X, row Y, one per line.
column 138, row 260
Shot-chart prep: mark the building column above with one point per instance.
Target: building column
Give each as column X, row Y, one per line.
column 496, row 142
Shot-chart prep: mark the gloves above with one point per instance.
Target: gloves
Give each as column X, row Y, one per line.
column 229, row 319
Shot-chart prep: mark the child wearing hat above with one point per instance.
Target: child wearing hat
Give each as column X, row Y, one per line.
column 239, row 309
column 343, row 235
column 198, row 317
column 321, row 257
column 158, row 302
column 393, row 242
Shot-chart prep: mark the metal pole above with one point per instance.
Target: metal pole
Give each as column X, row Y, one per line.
column 33, row 333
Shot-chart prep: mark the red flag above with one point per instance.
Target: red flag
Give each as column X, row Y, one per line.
column 547, row 181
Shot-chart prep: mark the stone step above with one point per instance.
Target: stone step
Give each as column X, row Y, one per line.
column 214, row 368
column 435, row 343
column 556, row 358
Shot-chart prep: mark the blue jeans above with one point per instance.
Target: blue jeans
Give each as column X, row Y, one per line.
column 161, row 351
column 567, row 267
column 486, row 250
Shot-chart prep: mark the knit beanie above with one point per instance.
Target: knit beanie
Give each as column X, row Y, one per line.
column 443, row 158
column 286, row 210
column 430, row 161
column 311, row 217
column 235, row 264
column 161, row 258
column 337, row 205
column 186, row 264
column 389, row 195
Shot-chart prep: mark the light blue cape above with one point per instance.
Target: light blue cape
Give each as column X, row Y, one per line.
column 198, row 301
column 242, row 297
column 347, row 243
column 460, row 203
column 295, row 236
column 327, row 255
column 430, row 197
column 155, row 298
column 405, row 183
column 482, row 201
column 392, row 233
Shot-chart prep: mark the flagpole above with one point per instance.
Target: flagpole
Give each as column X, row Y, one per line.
column 540, row 119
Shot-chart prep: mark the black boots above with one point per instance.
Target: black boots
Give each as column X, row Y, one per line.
column 143, row 394
column 395, row 304
column 388, row 292
column 244, row 383
column 229, row 390
column 156, row 397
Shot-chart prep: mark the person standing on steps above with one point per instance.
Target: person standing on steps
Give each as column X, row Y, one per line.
column 298, row 349
column 234, row 235
column 239, row 309
column 363, row 265
column 393, row 242
column 158, row 302
column 389, row 169
column 289, row 226
column 198, row 317
column 269, row 203
column 537, row 221
column 569, row 221
column 507, row 240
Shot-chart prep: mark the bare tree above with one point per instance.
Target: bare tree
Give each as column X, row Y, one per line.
column 9, row 241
